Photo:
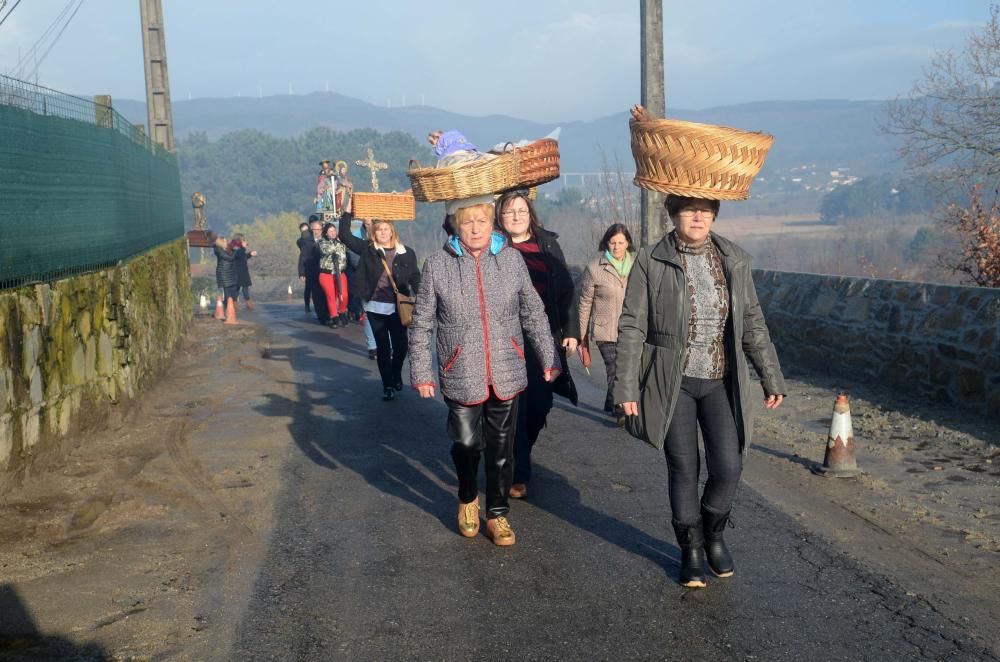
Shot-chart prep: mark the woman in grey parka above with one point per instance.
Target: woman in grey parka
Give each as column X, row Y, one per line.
column 477, row 292
column 689, row 322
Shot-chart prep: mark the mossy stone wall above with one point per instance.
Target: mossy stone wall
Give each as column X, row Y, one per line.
column 936, row 341
column 71, row 349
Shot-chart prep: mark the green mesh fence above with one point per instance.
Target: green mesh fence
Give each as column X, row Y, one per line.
column 81, row 189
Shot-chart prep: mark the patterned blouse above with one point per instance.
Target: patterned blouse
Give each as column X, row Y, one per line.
column 709, row 303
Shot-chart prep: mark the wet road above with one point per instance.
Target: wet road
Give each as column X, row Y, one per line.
column 365, row 562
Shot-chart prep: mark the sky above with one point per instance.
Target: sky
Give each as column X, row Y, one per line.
column 544, row 60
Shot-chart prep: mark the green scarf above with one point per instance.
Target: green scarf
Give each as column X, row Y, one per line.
column 622, row 266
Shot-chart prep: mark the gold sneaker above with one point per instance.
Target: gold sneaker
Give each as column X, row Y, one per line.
column 468, row 518
column 499, row 531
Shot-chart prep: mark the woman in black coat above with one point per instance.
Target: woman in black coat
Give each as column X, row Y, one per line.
column 547, row 268
column 372, row 284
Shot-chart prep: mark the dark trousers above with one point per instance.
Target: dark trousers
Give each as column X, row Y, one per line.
column 317, row 296
column 704, row 402
column 487, row 427
column 391, row 346
column 230, row 292
column 307, row 292
column 609, row 352
column 534, row 405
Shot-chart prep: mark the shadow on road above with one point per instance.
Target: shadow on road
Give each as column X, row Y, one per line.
column 20, row 638
column 559, row 497
column 339, row 420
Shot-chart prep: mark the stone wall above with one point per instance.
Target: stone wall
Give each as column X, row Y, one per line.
column 71, row 349
column 938, row 341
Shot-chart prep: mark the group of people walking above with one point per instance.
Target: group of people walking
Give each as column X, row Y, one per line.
column 677, row 325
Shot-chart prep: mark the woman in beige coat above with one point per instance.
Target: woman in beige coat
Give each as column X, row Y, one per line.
column 602, row 292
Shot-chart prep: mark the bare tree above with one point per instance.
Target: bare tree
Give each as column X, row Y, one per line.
column 616, row 200
column 951, row 117
column 950, row 126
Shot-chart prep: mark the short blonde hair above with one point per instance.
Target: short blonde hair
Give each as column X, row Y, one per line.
column 394, row 237
column 486, row 208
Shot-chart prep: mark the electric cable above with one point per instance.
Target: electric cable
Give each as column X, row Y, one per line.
column 9, row 11
column 26, row 60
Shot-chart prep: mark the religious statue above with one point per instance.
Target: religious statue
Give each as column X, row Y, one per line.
column 325, row 187
column 343, row 188
column 198, row 202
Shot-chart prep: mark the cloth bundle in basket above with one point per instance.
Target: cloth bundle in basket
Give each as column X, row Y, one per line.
column 520, row 167
column 697, row 160
column 385, row 206
column 465, row 180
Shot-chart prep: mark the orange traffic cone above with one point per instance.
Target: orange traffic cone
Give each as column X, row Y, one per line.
column 220, row 314
column 840, row 460
column 231, row 312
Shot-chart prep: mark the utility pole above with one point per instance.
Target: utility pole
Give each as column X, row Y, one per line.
column 651, row 53
column 154, row 50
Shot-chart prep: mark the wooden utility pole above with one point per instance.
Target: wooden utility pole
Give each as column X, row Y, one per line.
column 154, row 50
column 651, row 52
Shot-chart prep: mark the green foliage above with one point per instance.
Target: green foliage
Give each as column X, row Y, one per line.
column 248, row 174
column 273, row 237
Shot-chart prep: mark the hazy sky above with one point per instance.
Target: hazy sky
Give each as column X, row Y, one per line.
column 552, row 60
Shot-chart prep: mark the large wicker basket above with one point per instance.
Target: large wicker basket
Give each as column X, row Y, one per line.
column 537, row 163
column 465, row 180
column 697, row 160
column 385, row 206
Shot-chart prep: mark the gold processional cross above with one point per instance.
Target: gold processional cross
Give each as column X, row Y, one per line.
column 374, row 166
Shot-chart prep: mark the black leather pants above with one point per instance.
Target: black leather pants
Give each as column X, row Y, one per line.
column 487, row 427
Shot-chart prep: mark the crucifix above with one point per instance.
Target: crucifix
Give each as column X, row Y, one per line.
column 374, row 166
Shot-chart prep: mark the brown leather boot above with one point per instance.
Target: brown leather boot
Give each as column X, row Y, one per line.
column 468, row 517
column 499, row 531
column 518, row 491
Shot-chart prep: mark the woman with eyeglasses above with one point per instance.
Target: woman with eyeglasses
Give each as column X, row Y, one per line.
column 551, row 279
column 689, row 323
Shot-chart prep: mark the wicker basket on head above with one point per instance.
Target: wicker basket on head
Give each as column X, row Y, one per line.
column 697, row 160
column 537, row 162
column 465, row 180
column 385, row 206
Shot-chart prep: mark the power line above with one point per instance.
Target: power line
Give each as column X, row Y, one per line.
column 9, row 11
column 31, row 55
column 48, row 50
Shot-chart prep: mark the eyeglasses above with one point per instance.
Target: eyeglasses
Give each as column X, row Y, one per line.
column 691, row 213
column 520, row 213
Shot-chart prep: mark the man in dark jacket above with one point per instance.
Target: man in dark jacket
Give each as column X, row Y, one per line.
column 309, row 268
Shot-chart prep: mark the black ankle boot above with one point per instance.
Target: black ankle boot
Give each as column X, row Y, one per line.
column 692, row 544
column 719, row 559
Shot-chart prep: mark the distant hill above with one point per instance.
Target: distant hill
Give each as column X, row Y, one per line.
column 813, row 137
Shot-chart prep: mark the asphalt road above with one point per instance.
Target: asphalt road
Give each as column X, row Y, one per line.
column 365, row 562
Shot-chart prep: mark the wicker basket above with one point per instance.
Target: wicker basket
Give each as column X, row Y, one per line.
column 385, row 206
column 697, row 160
column 537, row 163
column 465, row 180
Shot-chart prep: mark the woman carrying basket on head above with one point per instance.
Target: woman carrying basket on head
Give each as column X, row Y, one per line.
column 386, row 266
column 689, row 323
column 477, row 293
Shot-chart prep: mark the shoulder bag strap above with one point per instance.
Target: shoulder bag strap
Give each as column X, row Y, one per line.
column 388, row 272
